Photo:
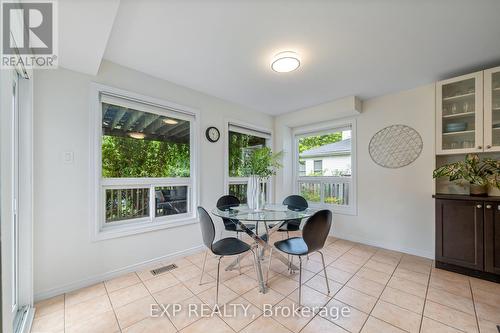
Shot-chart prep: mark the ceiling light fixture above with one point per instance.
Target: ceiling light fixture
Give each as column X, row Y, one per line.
column 137, row 135
column 170, row 121
column 285, row 62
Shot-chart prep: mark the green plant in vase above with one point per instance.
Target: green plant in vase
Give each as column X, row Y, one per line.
column 260, row 164
column 478, row 173
column 494, row 177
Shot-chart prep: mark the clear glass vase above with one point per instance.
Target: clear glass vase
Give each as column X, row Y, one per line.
column 253, row 192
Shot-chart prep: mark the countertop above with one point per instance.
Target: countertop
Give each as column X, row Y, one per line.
column 465, row 197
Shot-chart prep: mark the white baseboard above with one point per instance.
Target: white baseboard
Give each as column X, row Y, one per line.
column 416, row 252
column 112, row 274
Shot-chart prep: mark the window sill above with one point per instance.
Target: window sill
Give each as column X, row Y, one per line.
column 350, row 210
column 118, row 231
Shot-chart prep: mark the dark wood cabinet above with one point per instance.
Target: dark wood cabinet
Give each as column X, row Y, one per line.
column 468, row 235
column 492, row 237
column 459, row 233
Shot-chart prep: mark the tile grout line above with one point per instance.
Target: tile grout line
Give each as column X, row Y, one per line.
column 474, row 305
column 195, row 295
column 151, row 294
column 317, row 274
column 286, row 296
column 345, row 284
column 445, row 324
column 425, row 300
column 378, row 298
column 112, row 307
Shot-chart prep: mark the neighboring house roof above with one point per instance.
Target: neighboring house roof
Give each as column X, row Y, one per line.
column 337, row 148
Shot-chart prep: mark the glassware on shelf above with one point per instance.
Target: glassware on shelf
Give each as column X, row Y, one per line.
column 454, row 109
column 446, row 110
column 466, row 107
column 468, row 144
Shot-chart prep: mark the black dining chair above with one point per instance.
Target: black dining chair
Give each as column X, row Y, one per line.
column 229, row 246
column 313, row 239
column 225, row 203
column 295, row 203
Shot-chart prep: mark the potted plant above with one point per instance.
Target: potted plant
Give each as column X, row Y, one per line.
column 479, row 174
column 494, row 177
column 260, row 164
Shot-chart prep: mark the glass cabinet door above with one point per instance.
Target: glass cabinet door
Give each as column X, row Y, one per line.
column 460, row 115
column 492, row 109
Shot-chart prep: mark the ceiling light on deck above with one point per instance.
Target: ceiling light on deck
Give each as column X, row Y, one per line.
column 170, row 121
column 137, row 135
column 285, row 62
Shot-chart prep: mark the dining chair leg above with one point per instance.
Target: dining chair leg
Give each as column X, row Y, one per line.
column 300, row 281
column 288, row 236
column 269, row 265
column 324, row 270
column 238, row 258
column 262, row 253
column 258, row 271
column 218, row 277
column 203, row 267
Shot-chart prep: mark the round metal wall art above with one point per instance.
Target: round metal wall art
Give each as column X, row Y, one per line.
column 395, row 146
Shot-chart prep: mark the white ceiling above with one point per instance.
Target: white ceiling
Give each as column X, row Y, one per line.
column 84, row 28
column 348, row 47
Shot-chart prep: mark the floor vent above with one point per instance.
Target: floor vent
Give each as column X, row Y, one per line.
column 158, row 271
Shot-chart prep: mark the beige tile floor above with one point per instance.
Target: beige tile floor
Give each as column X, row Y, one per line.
column 386, row 291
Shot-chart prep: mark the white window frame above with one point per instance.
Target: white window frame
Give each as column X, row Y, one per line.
column 319, row 129
column 314, row 166
column 245, row 128
column 100, row 230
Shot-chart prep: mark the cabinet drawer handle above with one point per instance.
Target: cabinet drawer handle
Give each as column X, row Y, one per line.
column 488, row 147
column 479, row 147
column 479, row 206
column 488, row 206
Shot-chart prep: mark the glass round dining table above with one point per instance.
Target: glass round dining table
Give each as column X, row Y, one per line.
column 270, row 213
column 272, row 216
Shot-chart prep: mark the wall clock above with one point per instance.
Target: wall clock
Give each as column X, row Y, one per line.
column 212, row 134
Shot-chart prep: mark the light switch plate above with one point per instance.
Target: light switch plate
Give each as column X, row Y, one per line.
column 68, row 157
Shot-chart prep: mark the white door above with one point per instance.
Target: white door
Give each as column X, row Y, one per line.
column 16, row 202
column 15, row 240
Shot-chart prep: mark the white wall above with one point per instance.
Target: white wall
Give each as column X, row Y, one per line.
column 395, row 207
column 65, row 258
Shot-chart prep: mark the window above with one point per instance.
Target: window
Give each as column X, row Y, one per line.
column 146, row 155
column 318, row 167
column 324, row 160
column 241, row 141
column 302, row 168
